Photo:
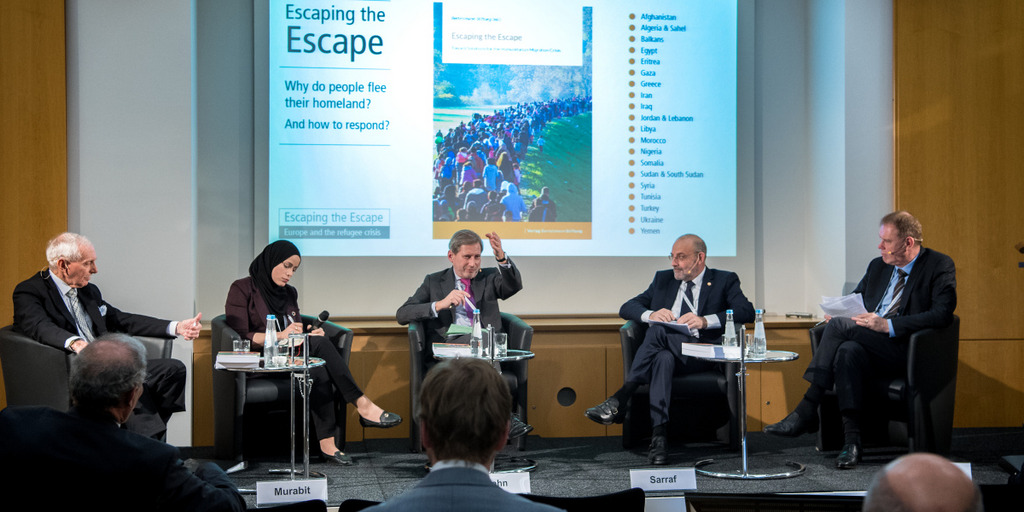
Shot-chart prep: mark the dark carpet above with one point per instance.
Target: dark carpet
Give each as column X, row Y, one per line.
column 598, row 465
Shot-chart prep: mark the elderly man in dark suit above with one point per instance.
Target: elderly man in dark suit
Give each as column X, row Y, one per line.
column 906, row 289
column 59, row 307
column 447, row 297
column 90, row 462
column 689, row 294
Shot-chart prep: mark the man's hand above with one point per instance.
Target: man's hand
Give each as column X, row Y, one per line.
column 189, row 328
column 495, row 240
column 662, row 315
column 455, row 298
column 319, row 331
column 872, row 321
column 77, row 345
column 693, row 321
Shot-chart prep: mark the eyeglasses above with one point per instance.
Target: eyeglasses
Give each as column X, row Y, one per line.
column 679, row 257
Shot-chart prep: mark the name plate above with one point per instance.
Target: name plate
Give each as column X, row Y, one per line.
column 290, row 491
column 677, row 479
column 515, row 483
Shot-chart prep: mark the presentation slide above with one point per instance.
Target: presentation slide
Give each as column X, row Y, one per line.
column 599, row 128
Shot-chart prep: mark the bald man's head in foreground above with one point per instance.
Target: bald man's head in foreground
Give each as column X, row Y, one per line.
column 922, row 482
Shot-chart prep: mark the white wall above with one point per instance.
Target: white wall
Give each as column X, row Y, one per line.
column 131, row 155
column 815, row 166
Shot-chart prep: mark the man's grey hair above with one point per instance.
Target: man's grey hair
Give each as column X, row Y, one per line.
column 66, row 246
column 464, row 237
column 106, row 371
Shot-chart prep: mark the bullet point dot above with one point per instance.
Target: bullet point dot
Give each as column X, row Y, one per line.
column 631, row 151
column 632, row 197
column 632, row 140
column 632, row 72
column 632, row 16
column 631, row 185
column 631, row 129
column 632, row 162
column 632, row 94
column 632, row 117
column 632, row 61
column 632, row 50
column 632, row 106
column 631, row 207
column 631, row 174
column 631, row 231
column 632, row 219
column 632, row 38
column 632, row 27
column 632, row 83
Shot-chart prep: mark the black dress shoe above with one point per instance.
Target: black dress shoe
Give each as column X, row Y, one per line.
column 848, row 457
column 518, row 428
column 792, row 426
column 658, row 454
column 387, row 420
column 338, row 458
column 606, row 412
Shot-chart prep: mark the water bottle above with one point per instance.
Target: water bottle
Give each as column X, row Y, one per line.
column 270, row 343
column 477, row 337
column 729, row 340
column 760, row 345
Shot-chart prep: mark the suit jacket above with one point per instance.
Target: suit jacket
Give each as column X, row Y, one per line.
column 91, row 464
column 929, row 297
column 459, row 489
column 246, row 312
column 40, row 313
column 719, row 291
column 488, row 286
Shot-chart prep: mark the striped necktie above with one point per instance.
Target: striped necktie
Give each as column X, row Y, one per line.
column 84, row 324
column 897, row 294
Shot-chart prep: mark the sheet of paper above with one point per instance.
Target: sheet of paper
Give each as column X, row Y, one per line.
column 683, row 328
column 846, row 306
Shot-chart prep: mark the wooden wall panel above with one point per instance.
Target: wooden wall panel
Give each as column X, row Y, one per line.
column 959, row 114
column 33, row 140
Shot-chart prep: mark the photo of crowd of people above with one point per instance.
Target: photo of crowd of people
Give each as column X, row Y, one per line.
column 512, row 143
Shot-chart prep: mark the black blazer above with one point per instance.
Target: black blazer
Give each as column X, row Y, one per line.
column 68, row 460
column 929, row 296
column 488, row 286
column 40, row 313
column 719, row 291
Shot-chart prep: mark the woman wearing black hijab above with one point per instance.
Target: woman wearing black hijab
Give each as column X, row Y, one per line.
column 266, row 292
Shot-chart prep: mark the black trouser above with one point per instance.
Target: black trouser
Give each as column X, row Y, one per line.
column 849, row 356
column 163, row 393
column 656, row 361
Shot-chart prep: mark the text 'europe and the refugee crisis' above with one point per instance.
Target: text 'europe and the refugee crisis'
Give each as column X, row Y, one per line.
column 323, row 40
column 656, row 105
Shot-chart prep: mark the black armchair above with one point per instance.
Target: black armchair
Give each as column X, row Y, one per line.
column 237, row 395
column 37, row 374
column 520, row 337
column 915, row 408
column 704, row 404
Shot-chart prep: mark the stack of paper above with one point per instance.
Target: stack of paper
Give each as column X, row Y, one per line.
column 237, row 360
column 709, row 351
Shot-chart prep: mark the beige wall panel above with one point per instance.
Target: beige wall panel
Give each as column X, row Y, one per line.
column 959, row 108
column 577, row 368
column 33, row 140
column 202, row 390
column 383, row 375
column 990, row 384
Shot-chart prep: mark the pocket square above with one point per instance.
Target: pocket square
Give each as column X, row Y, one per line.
column 103, row 310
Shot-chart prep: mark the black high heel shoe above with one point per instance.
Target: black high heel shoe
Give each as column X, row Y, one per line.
column 387, row 420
